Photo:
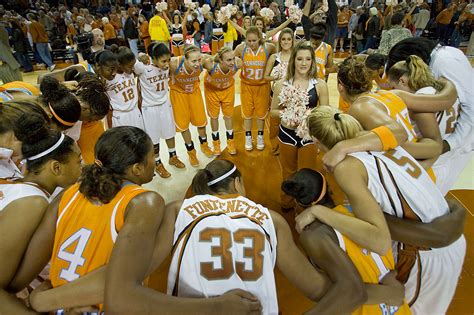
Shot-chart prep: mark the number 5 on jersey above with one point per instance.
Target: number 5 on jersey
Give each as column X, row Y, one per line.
column 73, row 255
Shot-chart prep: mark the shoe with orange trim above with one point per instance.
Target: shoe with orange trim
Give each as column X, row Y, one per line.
column 206, row 150
column 175, row 161
column 161, row 170
column 231, row 147
column 193, row 160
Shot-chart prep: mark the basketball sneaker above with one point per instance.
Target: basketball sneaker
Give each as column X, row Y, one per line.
column 193, row 160
column 217, row 147
column 161, row 170
column 231, row 147
column 174, row 160
column 206, row 150
column 248, row 143
column 260, row 143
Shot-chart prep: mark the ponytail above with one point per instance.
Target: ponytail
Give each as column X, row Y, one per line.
column 116, row 150
column 330, row 125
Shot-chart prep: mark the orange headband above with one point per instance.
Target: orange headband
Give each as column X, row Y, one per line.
column 65, row 123
column 323, row 190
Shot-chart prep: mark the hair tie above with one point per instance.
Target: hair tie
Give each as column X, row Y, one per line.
column 98, row 163
column 323, row 190
column 337, row 116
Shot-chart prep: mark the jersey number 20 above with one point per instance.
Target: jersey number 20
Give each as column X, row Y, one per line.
column 75, row 258
column 253, row 252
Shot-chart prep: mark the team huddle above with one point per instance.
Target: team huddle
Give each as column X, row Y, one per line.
column 367, row 181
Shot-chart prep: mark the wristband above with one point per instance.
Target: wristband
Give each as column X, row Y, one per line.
column 387, row 137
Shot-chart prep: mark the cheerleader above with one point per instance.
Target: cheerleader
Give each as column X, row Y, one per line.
column 177, row 38
column 217, row 34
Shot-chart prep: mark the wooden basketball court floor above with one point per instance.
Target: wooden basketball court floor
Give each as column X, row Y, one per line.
column 262, row 178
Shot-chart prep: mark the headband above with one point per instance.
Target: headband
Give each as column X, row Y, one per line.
column 48, row 151
column 65, row 123
column 222, row 177
column 323, row 190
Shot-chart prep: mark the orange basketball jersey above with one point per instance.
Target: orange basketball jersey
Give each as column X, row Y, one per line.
column 372, row 268
column 321, row 54
column 86, row 233
column 253, row 65
column 7, row 90
column 185, row 82
column 396, row 109
column 218, row 80
column 90, row 133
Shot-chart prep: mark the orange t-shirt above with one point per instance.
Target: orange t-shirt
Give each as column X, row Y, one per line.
column 38, row 33
column 109, row 31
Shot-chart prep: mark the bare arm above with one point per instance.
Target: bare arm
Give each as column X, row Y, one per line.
column 390, row 291
column 272, row 32
column 317, row 240
column 430, row 103
column 368, row 228
column 15, row 235
column 440, row 232
column 269, row 68
column 429, row 148
column 370, row 116
column 275, row 108
column 238, row 50
column 323, row 92
column 238, row 28
column 59, row 74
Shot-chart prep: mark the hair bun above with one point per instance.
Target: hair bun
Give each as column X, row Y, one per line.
column 52, row 90
column 291, row 187
column 32, row 129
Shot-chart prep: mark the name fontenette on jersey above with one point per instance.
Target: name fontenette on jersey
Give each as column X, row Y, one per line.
column 258, row 63
column 118, row 87
column 236, row 206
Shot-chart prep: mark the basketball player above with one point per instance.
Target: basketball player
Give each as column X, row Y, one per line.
column 186, row 99
column 393, row 182
column 254, row 89
column 383, row 112
column 309, row 188
column 376, row 63
column 248, row 240
column 219, row 90
column 415, row 76
column 53, row 160
column 110, row 219
column 296, row 153
column 275, row 70
column 322, row 51
column 121, row 87
column 156, row 106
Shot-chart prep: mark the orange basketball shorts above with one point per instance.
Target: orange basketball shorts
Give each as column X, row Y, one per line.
column 217, row 99
column 188, row 108
column 255, row 100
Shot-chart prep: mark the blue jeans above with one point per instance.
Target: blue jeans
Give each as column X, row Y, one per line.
column 25, row 62
column 43, row 51
column 133, row 43
column 371, row 42
column 456, row 38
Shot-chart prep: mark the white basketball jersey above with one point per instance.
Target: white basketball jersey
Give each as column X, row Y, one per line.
column 153, row 83
column 401, row 186
column 14, row 191
column 224, row 243
column 447, row 119
column 123, row 93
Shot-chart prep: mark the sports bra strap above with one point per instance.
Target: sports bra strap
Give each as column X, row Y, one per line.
column 213, row 68
column 180, row 64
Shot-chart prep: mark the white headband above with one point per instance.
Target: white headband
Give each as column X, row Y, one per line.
column 48, row 151
column 218, row 179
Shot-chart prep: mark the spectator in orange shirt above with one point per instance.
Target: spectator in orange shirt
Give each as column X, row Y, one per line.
column 109, row 32
column 40, row 40
column 143, row 30
column 443, row 19
column 342, row 22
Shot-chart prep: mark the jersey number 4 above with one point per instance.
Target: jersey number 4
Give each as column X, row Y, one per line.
column 253, row 252
column 75, row 258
